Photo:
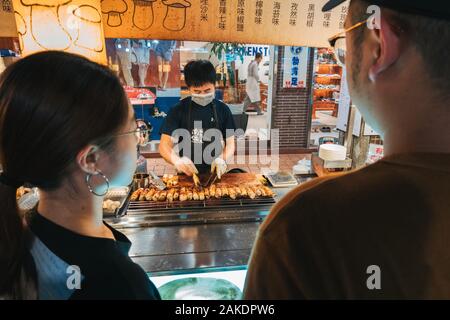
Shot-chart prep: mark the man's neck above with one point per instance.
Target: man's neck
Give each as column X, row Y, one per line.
column 426, row 133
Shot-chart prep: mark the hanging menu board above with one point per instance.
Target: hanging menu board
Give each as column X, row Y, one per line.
column 7, row 22
column 283, row 22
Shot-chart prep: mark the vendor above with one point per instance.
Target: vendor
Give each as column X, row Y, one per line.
column 201, row 149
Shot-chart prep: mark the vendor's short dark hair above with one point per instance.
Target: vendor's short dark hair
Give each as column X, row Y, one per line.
column 199, row 72
column 258, row 55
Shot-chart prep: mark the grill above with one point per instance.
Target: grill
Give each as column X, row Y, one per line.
column 139, row 214
column 136, row 214
column 140, row 207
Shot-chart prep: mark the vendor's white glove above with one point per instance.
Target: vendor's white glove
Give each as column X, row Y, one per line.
column 220, row 166
column 185, row 165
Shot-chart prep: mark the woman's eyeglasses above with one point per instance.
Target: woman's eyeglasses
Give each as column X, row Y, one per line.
column 337, row 42
column 142, row 134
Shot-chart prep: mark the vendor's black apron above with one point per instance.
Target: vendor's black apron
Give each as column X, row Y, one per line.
column 204, row 167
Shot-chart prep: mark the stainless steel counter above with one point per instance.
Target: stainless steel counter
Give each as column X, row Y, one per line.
column 201, row 240
column 175, row 249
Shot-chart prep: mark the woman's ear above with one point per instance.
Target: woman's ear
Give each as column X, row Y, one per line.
column 388, row 48
column 87, row 159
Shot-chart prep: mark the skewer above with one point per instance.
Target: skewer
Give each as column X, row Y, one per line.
column 251, row 193
column 257, row 191
column 269, row 192
column 136, row 194
column 237, row 190
column 142, row 195
column 212, row 190
column 162, row 196
column 224, row 192
column 218, row 193
column 149, row 194
column 170, row 195
column 232, row 193
column 156, row 196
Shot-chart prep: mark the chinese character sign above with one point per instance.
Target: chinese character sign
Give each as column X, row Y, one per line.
column 295, row 67
column 7, row 23
column 279, row 22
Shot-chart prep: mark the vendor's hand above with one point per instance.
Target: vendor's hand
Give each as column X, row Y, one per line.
column 186, row 166
column 220, row 166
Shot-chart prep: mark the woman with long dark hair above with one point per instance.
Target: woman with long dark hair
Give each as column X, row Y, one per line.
column 67, row 128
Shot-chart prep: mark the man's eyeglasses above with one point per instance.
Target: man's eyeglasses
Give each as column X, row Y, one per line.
column 337, row 42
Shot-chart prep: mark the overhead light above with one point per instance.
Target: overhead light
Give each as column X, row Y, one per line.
column 50, row 25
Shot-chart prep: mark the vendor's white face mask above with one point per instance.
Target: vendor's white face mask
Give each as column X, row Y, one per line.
column 203, row 99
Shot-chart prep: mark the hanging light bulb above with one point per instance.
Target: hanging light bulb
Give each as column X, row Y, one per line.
column 67, row 25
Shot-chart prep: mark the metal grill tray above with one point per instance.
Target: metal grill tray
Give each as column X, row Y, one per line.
column 154, row 206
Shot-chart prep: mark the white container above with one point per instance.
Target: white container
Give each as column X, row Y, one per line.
column 332, row 152
column 302, row 167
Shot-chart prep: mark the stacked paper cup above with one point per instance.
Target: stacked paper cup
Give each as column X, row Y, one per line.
column 332, row 152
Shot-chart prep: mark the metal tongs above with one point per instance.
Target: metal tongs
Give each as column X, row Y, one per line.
column 212, row 178
column 157, row 181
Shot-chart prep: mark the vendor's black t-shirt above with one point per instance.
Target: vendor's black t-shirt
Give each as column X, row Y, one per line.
column 72, row 266
column 178, row 118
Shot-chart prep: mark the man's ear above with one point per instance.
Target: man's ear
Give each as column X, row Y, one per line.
column 87, row 159
column 388, row 47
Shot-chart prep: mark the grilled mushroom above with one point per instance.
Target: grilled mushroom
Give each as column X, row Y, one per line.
column 218, row 194
column 212, row 190
column 251, row 193
column 149, row 194
column 135, row 195
column 142, row 195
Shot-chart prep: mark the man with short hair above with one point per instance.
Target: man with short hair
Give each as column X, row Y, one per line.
column 381, row 231
column 253, row 97
column 209, row 124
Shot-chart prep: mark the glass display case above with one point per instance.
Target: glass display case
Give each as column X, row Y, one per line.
column 201, row 284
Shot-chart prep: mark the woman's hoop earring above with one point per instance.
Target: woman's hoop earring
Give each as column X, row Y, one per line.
column 88, row 183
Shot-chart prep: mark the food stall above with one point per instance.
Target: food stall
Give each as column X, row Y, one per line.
column 197, row 236
column 185, row 233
